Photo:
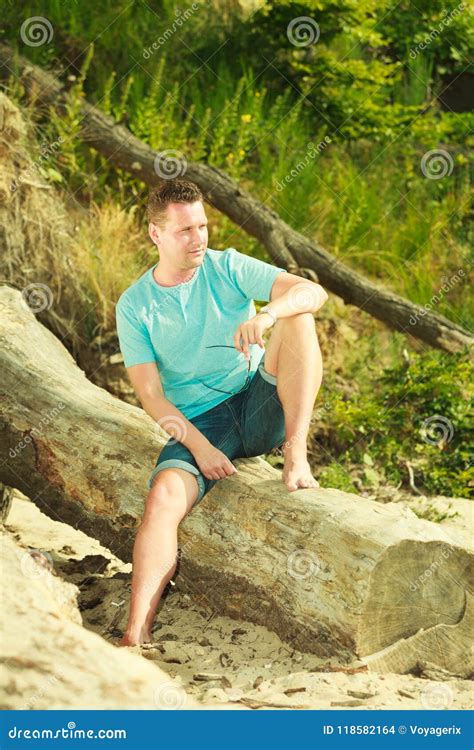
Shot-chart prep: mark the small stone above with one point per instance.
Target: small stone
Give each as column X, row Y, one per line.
column 168, row 637
column 214, row 694
column 207, row 676
column 225, row 660
column 257, row 682
column 234, row 694
column 405, row 693
column 203, row 641
column 353, row 702
column 360, row 694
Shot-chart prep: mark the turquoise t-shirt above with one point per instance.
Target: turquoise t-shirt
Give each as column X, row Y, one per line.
column 174, row 325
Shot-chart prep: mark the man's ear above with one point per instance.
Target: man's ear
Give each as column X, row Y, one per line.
column 154, row 232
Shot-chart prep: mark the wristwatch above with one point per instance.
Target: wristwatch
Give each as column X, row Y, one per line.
column 269, row 312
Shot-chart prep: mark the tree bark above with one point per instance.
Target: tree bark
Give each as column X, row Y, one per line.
column 286, row 247
column 330, row 572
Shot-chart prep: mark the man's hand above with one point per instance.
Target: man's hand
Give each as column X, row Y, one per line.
column 213, row 463
column 251, row 332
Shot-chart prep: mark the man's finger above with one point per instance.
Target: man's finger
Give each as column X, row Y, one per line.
column 255, row 336
column 245, row 342
column 237, row 340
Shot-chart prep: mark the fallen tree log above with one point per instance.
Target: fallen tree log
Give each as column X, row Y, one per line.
column 330, row 572
column 285, row 246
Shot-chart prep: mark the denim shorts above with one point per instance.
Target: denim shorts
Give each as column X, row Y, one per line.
column 246, row 424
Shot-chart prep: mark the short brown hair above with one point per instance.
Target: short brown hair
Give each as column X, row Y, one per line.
column 170, row 191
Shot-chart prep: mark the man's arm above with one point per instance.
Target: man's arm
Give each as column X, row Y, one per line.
column 290, row 295
column 147, row 385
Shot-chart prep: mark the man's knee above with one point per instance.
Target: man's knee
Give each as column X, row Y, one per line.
column 172, row 494
column 305, row 319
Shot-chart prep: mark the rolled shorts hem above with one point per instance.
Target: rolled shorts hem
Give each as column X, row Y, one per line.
column 176, row 463
column 266, row 375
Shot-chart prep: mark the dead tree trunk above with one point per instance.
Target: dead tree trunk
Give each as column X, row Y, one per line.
column 285, row 246
column 330, row 572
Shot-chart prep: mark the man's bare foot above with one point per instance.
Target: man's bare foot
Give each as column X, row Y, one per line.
column 297, row 472
column 135, row 639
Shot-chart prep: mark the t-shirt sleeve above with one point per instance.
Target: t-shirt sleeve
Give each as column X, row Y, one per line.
column 134, row 340
column 254, row 278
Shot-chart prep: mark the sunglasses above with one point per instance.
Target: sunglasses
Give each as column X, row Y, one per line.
column 247, row 379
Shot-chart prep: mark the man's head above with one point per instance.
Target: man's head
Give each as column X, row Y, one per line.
column 178, row 224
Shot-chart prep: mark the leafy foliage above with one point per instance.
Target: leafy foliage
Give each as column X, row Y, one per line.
column 419, row 415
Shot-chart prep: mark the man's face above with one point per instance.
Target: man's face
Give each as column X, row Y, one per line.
column 182, row 241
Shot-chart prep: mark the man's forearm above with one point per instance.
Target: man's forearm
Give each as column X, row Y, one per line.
column 173, row 421
column 304, row 297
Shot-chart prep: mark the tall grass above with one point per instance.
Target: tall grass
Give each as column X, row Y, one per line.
column 368, row 203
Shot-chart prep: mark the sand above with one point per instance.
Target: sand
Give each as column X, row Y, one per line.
column 216, row 660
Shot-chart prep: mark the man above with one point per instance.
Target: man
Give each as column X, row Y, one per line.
column 191, row 342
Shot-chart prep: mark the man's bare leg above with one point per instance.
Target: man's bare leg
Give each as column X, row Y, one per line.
column 155, row 551
column 294, row 356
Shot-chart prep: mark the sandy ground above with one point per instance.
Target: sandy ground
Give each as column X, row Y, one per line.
column 217, row 659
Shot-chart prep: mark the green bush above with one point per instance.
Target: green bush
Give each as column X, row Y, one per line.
column 418, row 415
